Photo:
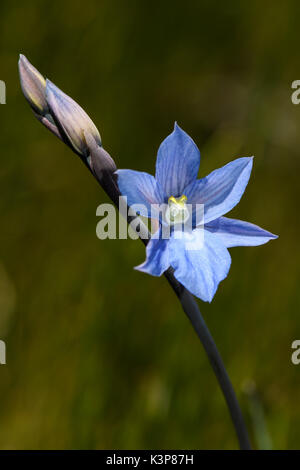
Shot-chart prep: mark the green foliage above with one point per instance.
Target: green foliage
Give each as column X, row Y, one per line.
column 99, row 355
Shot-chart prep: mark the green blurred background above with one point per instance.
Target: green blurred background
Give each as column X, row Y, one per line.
column 99, row 355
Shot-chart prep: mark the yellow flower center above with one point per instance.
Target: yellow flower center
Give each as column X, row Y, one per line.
column 177, row 212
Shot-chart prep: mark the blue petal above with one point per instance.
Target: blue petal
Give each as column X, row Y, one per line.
column 200, row 270
column 233, row 232
column 157, row 257
column 177, row 163
column 222, row 189
column 139, row 188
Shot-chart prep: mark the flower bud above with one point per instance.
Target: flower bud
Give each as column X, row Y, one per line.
column 103, row 167
column 100, row 160
column 33, row 85
column 71, row 120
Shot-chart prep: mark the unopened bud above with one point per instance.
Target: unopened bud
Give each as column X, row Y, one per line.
column 33, row 85
column 71, row 120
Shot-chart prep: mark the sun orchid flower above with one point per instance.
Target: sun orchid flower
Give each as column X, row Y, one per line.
column 200, row 269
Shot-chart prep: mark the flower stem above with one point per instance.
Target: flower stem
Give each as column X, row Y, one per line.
column 107, row 180
column 191, row 309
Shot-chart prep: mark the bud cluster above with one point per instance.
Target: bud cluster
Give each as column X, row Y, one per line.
column 57, row 111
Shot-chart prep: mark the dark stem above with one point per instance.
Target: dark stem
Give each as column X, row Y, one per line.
column 191, row 309
column 108, row 182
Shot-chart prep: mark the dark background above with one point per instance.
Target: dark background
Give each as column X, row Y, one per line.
column 99, row 355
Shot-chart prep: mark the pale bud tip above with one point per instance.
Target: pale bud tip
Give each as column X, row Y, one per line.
column 33, row 85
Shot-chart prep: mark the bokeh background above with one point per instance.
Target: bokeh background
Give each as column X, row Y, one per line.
column 99, row 355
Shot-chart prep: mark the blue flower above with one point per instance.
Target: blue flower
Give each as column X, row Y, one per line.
column 202, row 268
